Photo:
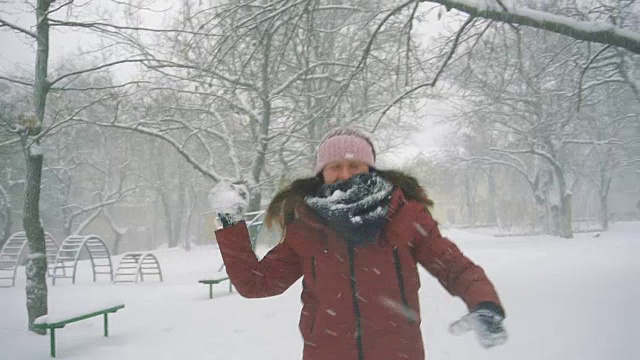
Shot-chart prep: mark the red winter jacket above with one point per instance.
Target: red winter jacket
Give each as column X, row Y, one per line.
column 358, row 304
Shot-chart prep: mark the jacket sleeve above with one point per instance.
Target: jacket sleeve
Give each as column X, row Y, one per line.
column 254, row 278
column 444, row 260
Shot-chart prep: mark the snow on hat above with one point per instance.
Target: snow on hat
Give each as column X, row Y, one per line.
column 344, row 143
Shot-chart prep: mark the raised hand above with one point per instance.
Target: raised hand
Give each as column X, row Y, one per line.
column 229, row 201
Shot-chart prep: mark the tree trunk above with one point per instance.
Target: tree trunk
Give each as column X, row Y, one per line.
column 553, row 222
column 117, row 239
column 604, row 199
column 255, row 200
column 470, row 199
column 117, row 233
column 566, row 217
column 542, row 213
column 36, row 287
column 545, row 210
column 179, row 211
column 604, row 212
column 494, row 217
column 67, row 213
column 168, row 220
column 5, row 217
column 263, row 130
column 6, row 232
column 191, row 197
column 83, row 225
column 165, row 199
column 565, row 229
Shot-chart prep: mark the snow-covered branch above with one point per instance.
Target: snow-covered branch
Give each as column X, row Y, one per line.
column 533, row 151
column 110, row 87
column 17, row 28
column 102, row 27
column 597, row 32
column 16, row 81
column 432, row 83
column 302, row 72
column 51, row 11
column 163, row 64
column 102, row 66
column 521, row 168
column 140, row 129
column 118, row 230
column 593, row 142
column 105, row 197
column 73, row 116
column 87, row 221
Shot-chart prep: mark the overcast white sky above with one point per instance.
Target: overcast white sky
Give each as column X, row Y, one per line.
column 18, row 56
column 19, row 50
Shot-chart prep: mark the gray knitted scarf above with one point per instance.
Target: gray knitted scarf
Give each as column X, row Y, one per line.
column 356, row 207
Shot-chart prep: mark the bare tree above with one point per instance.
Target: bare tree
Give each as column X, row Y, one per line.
column 520, row 98
column 5, row 215
column 607, row 142
column 244, row 91
column 29, row 131
column 9, row 166
column 526, row 96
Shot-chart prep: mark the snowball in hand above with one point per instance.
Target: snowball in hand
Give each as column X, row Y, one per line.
column 229, row 198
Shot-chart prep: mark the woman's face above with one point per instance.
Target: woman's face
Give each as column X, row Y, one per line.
column 343, row 170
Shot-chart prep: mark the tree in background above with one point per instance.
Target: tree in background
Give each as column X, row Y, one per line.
column 29, row 130
column 244, row 92
column 527, row 98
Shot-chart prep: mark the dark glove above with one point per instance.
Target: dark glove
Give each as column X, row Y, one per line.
column 486, row 321
column 227, row 219
column 229, row 202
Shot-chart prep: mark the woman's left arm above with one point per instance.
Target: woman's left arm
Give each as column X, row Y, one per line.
column 457, row 273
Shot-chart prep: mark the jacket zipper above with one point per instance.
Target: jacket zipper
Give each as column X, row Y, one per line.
column 315, row 311
column 356, row 304
column 314, row 276
column 403, row 296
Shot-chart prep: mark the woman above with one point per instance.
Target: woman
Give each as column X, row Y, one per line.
column 355, row 235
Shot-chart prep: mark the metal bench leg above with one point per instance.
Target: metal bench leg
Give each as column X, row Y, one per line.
column 52, row 339
column 210, row 291
column 106, row 325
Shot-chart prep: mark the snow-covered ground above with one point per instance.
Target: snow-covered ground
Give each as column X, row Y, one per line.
column 565, row 299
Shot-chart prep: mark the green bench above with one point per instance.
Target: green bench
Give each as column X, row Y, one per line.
column 51, row 323
column 212, row 282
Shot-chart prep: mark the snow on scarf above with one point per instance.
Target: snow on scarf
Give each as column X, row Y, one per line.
column 356, row 207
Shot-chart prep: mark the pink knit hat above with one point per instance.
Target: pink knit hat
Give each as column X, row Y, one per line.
column 344, row 143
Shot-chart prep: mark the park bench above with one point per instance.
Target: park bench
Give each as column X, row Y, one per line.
column 212, row 282
column 53, row 322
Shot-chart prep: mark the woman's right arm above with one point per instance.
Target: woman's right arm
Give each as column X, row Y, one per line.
column 254, row 278
column 444, row 260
